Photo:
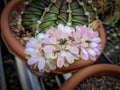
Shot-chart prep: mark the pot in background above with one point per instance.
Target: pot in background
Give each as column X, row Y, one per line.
column 93, row 70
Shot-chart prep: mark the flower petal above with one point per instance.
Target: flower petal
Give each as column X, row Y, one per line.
column 32, row 61
column 60, row 61
column 93, row 44
column 52, row 32
column 78, row 32
column 97, row 51
column 29, row 51
column 66, row 64
column 74, row 50
column 61, row 27
column 68, row 30
column 63, row 53
column 84, row 54
column 92, row 58
column 83, row 30
column 97, row 40
column 49, row 48
column 41, row 63
column 90, row 33
column 32, row 43
column 49, row 41
column 70, row 58
column 91, row 52
column 52, row 65
column 41, row 36
column 33, row 52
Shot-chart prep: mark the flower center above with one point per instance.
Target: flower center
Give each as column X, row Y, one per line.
column 62, row 41
column 88, row 41
column 62, row 44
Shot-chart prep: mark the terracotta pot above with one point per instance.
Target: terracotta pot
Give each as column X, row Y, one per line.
column 93, row 70
column 18, row 50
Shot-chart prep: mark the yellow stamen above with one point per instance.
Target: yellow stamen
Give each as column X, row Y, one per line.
column 70, row 62
column 68, row 47
column 53, row 57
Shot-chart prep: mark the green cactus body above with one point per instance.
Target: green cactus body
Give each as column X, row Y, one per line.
column 107, row 10
column 42, row 14
column 113, row 42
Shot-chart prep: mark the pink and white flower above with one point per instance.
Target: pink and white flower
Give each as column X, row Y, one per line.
column 61, row 46
column 88, row 41
column 34, row 50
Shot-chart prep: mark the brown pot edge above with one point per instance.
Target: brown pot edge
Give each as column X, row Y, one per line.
column 86, row 72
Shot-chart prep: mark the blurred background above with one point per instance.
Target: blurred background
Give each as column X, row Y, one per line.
column 14, row 75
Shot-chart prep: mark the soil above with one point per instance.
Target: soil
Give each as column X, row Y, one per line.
column 17, row 29
column 100, row 83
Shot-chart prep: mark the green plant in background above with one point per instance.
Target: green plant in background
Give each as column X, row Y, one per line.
column 113, row 42
column 108, row 10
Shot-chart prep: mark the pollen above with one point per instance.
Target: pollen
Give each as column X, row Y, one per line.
column 70, row 62
column 68, row 47
column 53, row 57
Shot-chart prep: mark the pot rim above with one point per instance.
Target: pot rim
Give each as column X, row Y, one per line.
column 17, row 49
column 93, row 70
column 12, row 44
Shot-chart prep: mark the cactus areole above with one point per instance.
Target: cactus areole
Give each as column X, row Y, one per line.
column 67, row 35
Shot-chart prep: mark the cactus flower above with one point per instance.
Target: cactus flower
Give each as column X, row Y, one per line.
column 61, row 46
column 58, row 44
column 88, row 42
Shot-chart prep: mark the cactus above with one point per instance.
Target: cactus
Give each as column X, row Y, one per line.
column 113, row 42
column 42, row 14
column 107, row 10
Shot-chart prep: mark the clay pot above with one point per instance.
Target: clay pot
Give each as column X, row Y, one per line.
column 18, row 50
column 93, row 70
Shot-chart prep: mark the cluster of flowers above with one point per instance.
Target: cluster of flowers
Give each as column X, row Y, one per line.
column 61, row 46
